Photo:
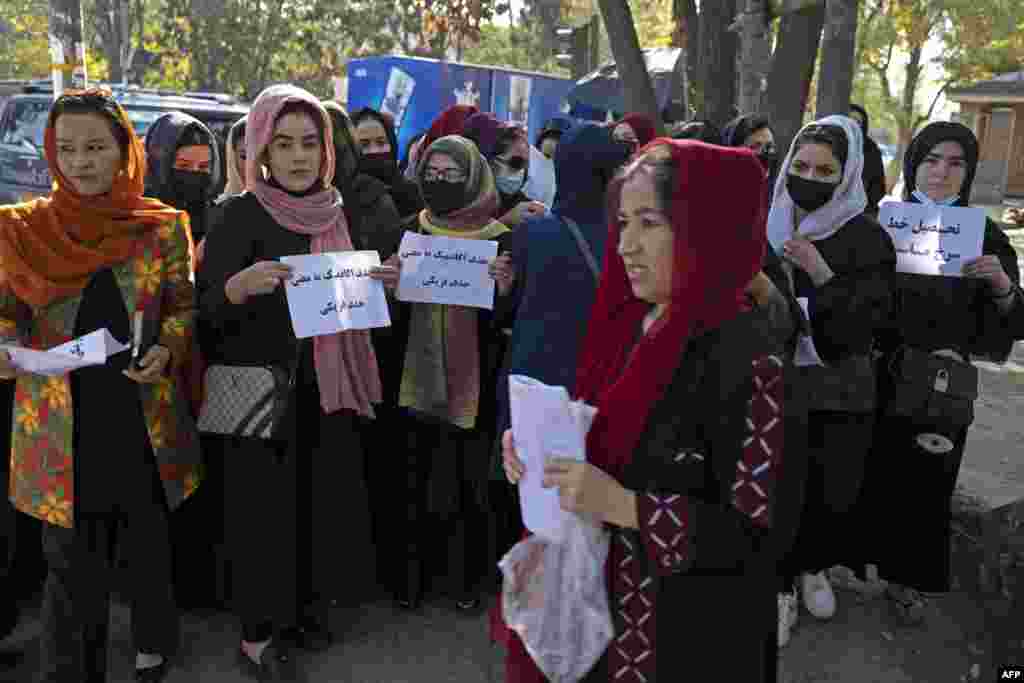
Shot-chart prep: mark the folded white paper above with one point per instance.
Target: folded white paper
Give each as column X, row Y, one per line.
column 806, row 352
column 545, row 423
column 92, row 349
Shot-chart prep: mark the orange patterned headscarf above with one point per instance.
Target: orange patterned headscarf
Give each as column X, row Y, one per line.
column 51, row 247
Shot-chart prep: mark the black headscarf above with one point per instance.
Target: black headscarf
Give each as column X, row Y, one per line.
column 404, row 193
column 736, row 132
column 165, row 137
column 925, row 141
column 874, row 167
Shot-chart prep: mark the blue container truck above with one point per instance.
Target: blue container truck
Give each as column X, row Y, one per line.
column 415, row 90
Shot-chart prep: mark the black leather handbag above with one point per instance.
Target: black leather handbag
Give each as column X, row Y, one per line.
column 930, row 388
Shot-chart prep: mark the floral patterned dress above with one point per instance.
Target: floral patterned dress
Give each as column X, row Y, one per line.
column 154, row 282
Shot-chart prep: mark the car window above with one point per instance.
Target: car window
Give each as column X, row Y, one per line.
column 24, row 125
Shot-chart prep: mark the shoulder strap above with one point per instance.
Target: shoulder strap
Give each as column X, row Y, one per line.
column 584, row 248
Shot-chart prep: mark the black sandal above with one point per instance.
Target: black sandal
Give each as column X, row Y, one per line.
column 154, row 674
column 908, row 603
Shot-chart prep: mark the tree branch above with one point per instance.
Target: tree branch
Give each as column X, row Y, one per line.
column 935, row 100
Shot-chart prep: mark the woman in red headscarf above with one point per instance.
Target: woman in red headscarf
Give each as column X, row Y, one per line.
column 682, row 456
column 635, row 130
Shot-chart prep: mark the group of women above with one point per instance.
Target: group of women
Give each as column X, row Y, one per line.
column 750, row 379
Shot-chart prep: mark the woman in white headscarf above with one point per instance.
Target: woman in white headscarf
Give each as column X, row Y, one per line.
column 840, row 262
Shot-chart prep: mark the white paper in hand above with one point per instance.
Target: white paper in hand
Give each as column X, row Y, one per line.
column 806, row 352
column 545, row 422
column 91, row 349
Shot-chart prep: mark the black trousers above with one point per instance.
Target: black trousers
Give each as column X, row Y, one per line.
column 297, row 523
column 837, row 448
column 443, row 539
column 76, row 598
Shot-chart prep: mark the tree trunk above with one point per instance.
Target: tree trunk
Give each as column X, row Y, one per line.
column 839, row 43
column 69, row 51
column 687, row 37
column 756, row 55
column 717, row 68
column 792, row 69
column 636, row 82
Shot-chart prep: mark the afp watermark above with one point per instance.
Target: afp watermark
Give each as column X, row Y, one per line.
column 1011, row 673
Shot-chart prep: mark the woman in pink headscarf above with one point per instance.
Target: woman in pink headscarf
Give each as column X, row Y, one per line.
column 296, row 504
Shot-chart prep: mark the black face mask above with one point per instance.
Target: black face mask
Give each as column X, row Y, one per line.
column 768, row 161
column 380, row 165
column 809, row 195
column 190, row 187
column 442, row 197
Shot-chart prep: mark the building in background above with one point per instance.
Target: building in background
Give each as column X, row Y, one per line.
column 995, row 111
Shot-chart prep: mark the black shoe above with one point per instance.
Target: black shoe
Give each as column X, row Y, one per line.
column 9, row 613
column 154, row 674
column 276, row 665
column 312, row 635
column 10, row 659
column 469, row 602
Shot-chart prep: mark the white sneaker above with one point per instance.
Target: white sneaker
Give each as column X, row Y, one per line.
column 789, row 608
column 818, row 596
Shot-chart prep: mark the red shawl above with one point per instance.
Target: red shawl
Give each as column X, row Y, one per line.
column 642, row 125
column 718, row 249
column 450, row 122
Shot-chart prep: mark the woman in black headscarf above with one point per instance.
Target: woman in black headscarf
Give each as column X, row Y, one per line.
column 183, row 166
column 874, row 169
column 938, row 324
column 377, row 142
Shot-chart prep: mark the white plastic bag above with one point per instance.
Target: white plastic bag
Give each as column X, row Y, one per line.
column 556, row 598
column 554, row 594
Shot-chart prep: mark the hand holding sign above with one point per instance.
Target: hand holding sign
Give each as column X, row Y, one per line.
column 990, row 269
column 330, row 293
column 933, row 240
column 446, row 270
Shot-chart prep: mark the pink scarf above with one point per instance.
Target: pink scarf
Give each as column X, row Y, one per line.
column 346, row 366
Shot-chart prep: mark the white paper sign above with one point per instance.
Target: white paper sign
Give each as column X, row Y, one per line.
column 446, row 270
column 933, row 240
column 806, row 353
column 545, row 422
column 91, row 349
column 330, row 293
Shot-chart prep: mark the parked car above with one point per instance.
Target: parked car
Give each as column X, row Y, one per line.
column 23, row 170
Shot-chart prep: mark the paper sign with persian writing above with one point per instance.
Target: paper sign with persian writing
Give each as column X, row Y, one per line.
column 334, row 292
column 446, row 270
column 933, row 240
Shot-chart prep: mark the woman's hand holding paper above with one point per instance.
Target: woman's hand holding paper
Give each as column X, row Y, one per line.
column 151, row 367
column 514, row 467
column 589, row 490
column 388, row 273
column 7, row 368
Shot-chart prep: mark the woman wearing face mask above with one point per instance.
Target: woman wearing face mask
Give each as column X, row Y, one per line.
column 284, row 497
column 101, row 454
column 506, row 149
column 183, row 165
column 448, row 379
column 944, row 321
column 840, row 261
column 377, row 143
column 683, row 377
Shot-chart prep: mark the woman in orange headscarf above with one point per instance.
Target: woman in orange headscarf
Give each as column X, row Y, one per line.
column 101, row 453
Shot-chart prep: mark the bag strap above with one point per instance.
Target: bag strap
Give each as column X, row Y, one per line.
column 584, row 247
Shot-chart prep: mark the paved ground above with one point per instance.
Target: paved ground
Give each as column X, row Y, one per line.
column 381, row 645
